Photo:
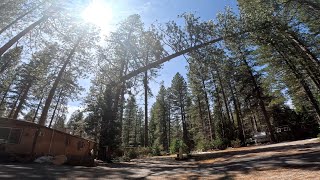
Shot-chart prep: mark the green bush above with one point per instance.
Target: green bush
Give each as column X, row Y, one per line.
column 318, row 136
column 132, row 154
column 156, row 151
column 203, row 145
column 144, row 151
column 220, row 144
column 236, row 143
column 176, row 145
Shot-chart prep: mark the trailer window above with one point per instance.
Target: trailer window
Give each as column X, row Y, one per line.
column 4, row 133
column 15, row 135
column 10, row 135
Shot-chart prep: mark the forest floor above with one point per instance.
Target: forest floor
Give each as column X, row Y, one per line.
column 289, row 160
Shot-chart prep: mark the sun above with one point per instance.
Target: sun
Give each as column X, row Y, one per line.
column 98, row 13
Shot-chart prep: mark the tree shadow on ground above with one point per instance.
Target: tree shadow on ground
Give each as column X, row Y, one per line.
column 306, row 158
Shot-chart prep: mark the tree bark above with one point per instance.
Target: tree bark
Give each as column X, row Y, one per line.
column 168, row 58
column 55, row 108
column 238, row 116
column 146, row 132
column 208, row 109
column 45, row 110
column 6, row 46
column 169, row 122
column 304, row 49
column 203, row 124
column 121, row 109
column 219, row 105
column 224, row 96
column 38, row 107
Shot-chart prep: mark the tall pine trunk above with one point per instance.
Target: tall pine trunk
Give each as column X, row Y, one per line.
column 224, row 96
column 145, row 83
column 37, row 110
column 238, row 116
column 52, row 91
column 203, row 124
column 219, row 104
column 208, row 110
column 55, row 108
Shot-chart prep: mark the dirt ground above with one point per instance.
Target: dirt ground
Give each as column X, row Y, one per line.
column 292, row 160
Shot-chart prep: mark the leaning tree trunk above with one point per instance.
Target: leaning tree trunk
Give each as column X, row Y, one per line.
column 52, row 91
column 6, row 46
column 300, row 46
column 302, row 81
column 306, row 88
column 55, row 108
column 20, row 17
column 37, row 110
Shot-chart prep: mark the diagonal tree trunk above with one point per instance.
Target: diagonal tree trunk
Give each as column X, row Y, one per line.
column 55, row 108
column 37, row 110
column 6, row 46
column 20, row 17
column 302, row 81
column 52, row 91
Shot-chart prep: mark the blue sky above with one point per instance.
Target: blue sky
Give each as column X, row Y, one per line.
column 161, row 12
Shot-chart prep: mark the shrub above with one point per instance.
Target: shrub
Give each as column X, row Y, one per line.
column 144, row 151
column 220, row 144
column 118, row 152
column 203, row 145
column 235, row 143
column 176, row 145
column 318, row 136
column 156, row 151
column 132, row 154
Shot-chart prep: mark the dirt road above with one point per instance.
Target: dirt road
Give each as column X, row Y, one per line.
column 293, row 160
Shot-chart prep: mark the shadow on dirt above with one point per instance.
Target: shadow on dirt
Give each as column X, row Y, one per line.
column 308, row 158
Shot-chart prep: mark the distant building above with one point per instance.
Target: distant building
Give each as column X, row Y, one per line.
column 26, row 138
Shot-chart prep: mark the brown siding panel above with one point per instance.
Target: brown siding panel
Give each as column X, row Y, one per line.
column 61, row 142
